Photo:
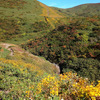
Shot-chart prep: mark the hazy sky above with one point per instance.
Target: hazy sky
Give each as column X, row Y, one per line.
column 67, row 3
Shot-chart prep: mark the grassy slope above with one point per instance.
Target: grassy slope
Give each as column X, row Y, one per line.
column 18, row 54
column 82, row 10
column 17, row 19
column 30, row 10
column 20, row 70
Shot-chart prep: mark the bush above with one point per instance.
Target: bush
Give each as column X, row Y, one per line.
column 85, row 67
column 39, row 26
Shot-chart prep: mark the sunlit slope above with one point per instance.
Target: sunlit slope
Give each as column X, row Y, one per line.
column 87, row 10
column 22, row 16
column 50, row 15
column 26, row 9
column 49, row 12
column 10, row 53
column 30, row 10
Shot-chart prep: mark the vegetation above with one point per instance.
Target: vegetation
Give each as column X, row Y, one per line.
column 84, row 10
column 71, row 48
column 68, row 38
column 21, row 80
column 25, row 17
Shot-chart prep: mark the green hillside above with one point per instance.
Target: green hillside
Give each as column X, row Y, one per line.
column 85, row 10
column 16, row 53
column 19, row 70
column 29, row 10
column 25, row 9
column 18, row 17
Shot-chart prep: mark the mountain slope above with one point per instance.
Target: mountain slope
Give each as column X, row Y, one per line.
column 25, row 16
column 49, row 12
column 30, row 10
column 20, row 9
column 82, row 10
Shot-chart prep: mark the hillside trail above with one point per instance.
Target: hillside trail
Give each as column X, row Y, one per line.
column 17, row 49
column 8, row 47
column 55, row 15
column 14, row 48
column 49, row 12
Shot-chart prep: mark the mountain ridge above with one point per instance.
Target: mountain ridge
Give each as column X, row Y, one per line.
column 89, row 9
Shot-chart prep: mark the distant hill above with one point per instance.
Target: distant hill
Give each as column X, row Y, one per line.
column 91, row 9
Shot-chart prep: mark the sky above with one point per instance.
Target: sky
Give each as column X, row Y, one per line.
column 67, row 3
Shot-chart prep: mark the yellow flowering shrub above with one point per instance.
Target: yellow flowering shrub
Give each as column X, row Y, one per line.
column 68, row 84
column 48, row 85
column 22, row 66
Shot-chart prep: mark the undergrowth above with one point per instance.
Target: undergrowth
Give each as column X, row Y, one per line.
column 21, row 80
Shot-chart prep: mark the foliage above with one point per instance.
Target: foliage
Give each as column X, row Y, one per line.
column 85, row 67
column 16, row 78
column 21, row 80
column 49, row 12
column 12, row 3
column 66, row 86
column 64, row 44
column 39, row 26
column 14, row 52
column 23, row 16
column 3, row 52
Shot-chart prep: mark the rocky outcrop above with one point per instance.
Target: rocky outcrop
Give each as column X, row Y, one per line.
column 57, row 68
